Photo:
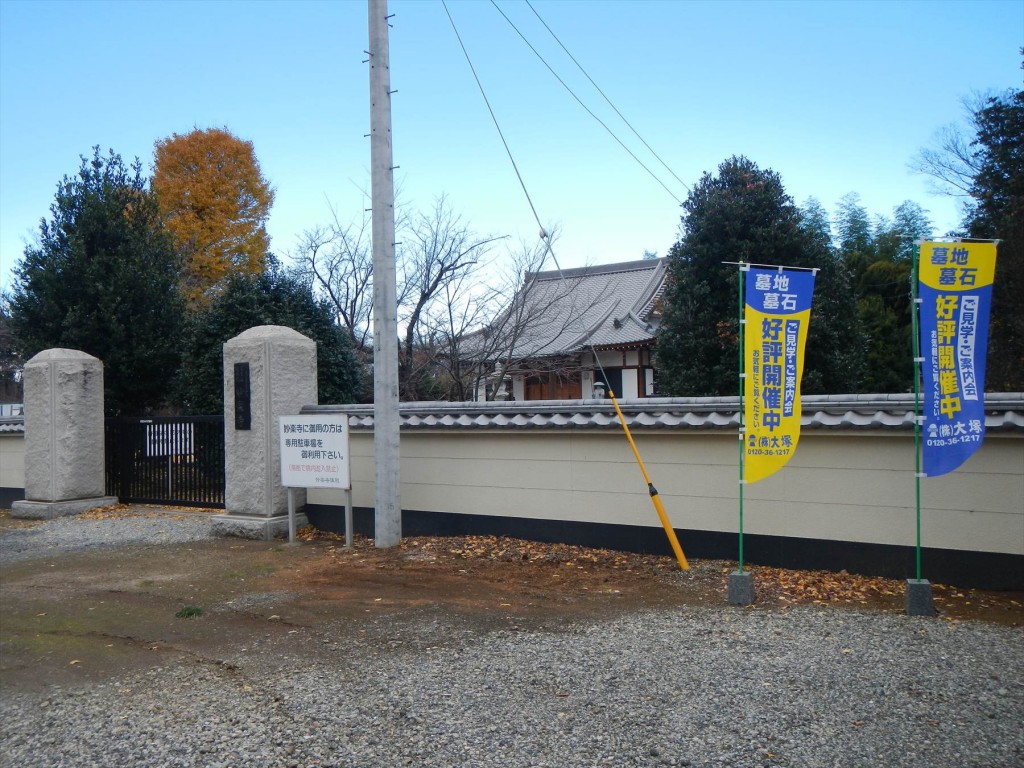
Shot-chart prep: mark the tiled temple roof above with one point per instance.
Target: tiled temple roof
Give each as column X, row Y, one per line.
column 606, row 305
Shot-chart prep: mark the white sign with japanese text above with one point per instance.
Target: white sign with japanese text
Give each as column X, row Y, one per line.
column 314, row 451
column 169, row 439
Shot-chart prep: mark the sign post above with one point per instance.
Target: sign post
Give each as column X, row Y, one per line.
column 314, row 454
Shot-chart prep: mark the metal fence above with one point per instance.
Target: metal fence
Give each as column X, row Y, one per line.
column 166, row 460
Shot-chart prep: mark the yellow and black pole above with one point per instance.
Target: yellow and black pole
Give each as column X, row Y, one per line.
column 655, row 498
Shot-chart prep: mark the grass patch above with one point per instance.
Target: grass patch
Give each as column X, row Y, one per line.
column 252, row 572
column 189, row 612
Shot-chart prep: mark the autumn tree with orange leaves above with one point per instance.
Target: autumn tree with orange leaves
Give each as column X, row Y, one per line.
column 216, row 203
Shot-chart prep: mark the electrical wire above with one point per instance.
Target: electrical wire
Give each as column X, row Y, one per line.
column 655, row 498
column 501, row 134
column 605, row 97
column 586, row 108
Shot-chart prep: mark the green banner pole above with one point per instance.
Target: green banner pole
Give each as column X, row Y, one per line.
column 917, row 402
column 740, row 332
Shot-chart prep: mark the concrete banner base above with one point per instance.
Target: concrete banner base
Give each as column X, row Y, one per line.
column 741, row 588
column 251, row 527
column 918, row 600
column 46, row 510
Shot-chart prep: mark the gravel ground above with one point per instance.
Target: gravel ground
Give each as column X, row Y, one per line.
column 693, row 687
column 68, row 534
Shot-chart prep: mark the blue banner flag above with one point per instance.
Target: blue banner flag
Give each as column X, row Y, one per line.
column 955, row 281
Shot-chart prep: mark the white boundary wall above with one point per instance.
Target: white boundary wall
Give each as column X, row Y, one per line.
column 843, row 484
column 12, row 461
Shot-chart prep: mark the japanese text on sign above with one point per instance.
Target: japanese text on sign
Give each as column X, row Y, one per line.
column 777, row 313
column 955, row 283
column 314, row 451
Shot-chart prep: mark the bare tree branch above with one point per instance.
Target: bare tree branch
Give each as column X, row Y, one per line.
column 440, row 254
column 337, row 259
column 951, row 162
column 458, row 329
column 521, row 321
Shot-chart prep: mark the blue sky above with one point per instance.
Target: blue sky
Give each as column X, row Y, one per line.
column 835, row 96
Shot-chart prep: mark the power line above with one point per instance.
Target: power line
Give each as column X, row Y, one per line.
column 522, row 184
column 655, row 498
column 587, row 109
column 598, row 88
column 497, row 126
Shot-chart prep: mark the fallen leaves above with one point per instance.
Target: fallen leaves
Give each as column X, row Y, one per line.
column 122, row 511
column 822, row 587
column 957, row 599
column 111, row 512
column 309, row 533
column 6, row 521
column 504, row 549
column 583, row 570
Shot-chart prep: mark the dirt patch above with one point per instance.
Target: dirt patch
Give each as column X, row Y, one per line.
column 88, row 616
column 545, row 576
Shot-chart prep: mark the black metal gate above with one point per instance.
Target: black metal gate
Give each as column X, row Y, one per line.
column 166, row 460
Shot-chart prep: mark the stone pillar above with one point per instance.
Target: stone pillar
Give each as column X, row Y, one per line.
column 269, row 371
column 64, row 435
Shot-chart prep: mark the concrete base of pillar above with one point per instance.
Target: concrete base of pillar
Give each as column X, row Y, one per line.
column 246, row 527
column 741, row 588
column 46, row 510
column 918, row 601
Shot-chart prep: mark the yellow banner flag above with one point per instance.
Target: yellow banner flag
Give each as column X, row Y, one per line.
column 777, row 312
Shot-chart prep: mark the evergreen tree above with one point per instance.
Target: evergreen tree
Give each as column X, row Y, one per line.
column 853, row 227
column 814, row 222
column 744, row 214
column 998, row 213
column 836, row 342
column 104, row 279
column 271, row 298
column 853, row 236
column 888, row 363
column 11, row 362
column 884, row 294
column 986, row 161
column 879, row 260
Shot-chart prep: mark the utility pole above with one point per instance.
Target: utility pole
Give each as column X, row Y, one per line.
column 388, row 503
